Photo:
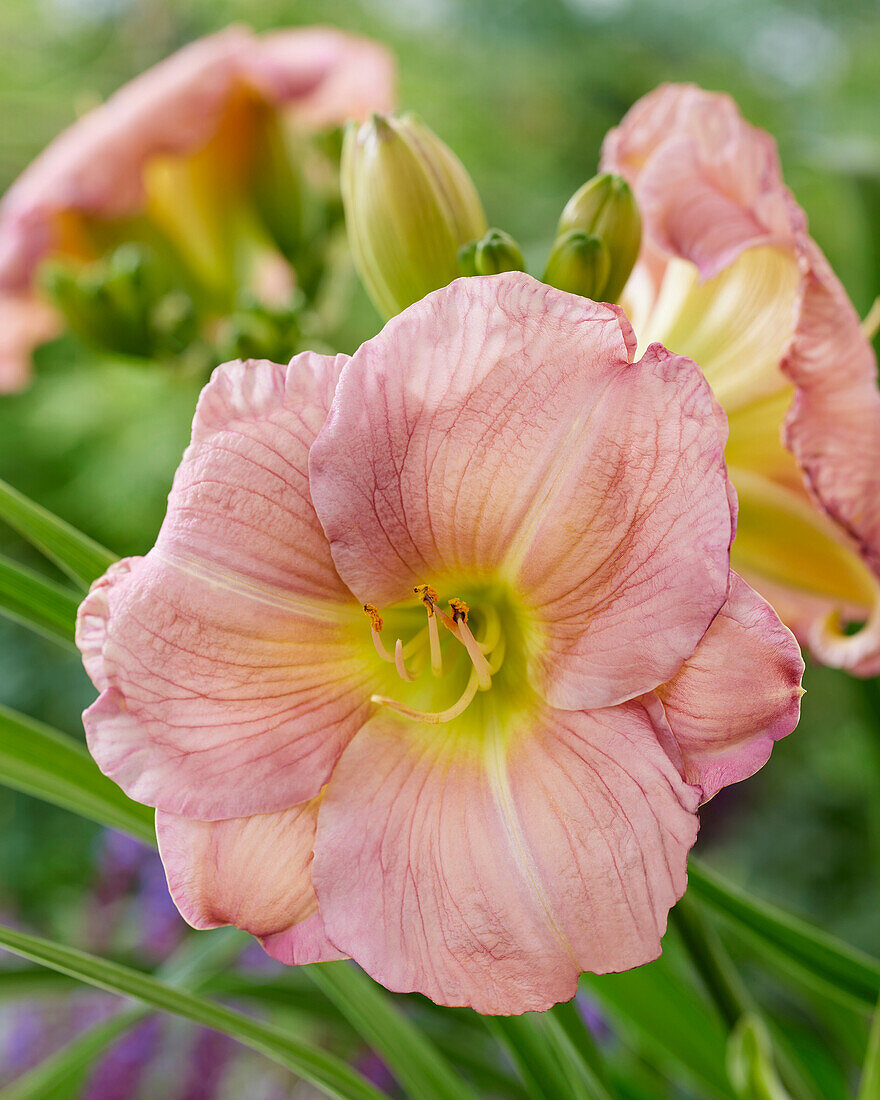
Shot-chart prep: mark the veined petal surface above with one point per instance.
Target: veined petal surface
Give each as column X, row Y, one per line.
column 227, row 658
column 498, row 430
column 738, row 694
column 491, row 872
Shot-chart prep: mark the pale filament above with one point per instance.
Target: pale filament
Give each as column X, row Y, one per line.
column 380, row 646
column 434, row 639
column 402, row 671
column 438, row 716
column 481, row 665
column 493, row 630
column 493, row 644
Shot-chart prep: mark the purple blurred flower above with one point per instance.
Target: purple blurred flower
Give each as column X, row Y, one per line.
column 118, row 1075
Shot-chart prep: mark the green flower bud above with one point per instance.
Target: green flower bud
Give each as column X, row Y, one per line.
column 750, row 1062
column 409, row 207
column 606, row 208
column 580, row 264
column 496, row 252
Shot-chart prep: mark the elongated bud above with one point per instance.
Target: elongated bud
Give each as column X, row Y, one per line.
column 580, row 264
column 606, row 208
column 409, row 207
column 750, row 1062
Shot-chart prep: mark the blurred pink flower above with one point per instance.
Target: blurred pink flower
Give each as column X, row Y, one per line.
column 205, row 99
column 729, row 276
column 498, row 795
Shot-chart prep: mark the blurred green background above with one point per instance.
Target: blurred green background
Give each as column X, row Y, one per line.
column 523, row 90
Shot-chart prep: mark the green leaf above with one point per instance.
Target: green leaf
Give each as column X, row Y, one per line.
column 80, row 557
column 38, row 603
column 750, row 1062
column 411, row 1056
column 869, row 1087
column 41, row 761
column 658, row 1009
column 839, row 969
column 196, row 960
column 324, row 1070
column 546, row 1059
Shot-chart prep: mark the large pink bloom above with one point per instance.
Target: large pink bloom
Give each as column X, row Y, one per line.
column 507, row 797
column 729, row 275
column 97, row 168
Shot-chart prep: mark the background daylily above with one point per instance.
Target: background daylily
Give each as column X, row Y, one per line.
column 193, row 194
column 729, row 275
column 438, row 650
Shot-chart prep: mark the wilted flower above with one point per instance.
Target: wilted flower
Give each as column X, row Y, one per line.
column 729, row 276
column 456, row 615
column 194, row 167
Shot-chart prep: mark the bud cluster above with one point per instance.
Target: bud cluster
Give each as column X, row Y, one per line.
column 415, row 221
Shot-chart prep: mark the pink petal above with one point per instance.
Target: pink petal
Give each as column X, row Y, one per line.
column 491, row 871
column 833, row 427
column 229, row 659
column 498, row 429
column 327, row 77
column 710, row 187
column 252, row 872
column 25, row 323
column 738, row 694
column 708, row 184
column 96, row 165
column 302, row 943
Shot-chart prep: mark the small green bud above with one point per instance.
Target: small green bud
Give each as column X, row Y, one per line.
column 750, row 1062
column 497, row 251
column 580, row 264
column 467, row 258
column 409, row 207
column 606, row 208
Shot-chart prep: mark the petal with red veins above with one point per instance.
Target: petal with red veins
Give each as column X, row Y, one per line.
column 252, row 872
column 708, row 185
column 497, row 429
column 227, row 658
column 490, row 869
column 738, row 694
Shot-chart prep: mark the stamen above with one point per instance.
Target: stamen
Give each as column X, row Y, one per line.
column 498, row 656
column 493, row 629
column 459, row 610
column 434, row 640
column 375, row 626
column 481, row 665
column 402, row 671
column 426, row 594
column 433, row 717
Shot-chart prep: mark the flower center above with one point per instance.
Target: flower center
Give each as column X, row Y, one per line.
column 445, row 647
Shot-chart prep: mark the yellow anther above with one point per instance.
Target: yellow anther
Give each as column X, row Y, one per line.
column 459, row 610
column 427, row 595
column 373, row 615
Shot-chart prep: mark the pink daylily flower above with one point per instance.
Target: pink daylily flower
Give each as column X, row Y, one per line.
column 439, row 650
column 729, row 276
column 97, row 169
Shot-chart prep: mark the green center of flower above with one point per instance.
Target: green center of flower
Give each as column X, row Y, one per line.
column 445, row 659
